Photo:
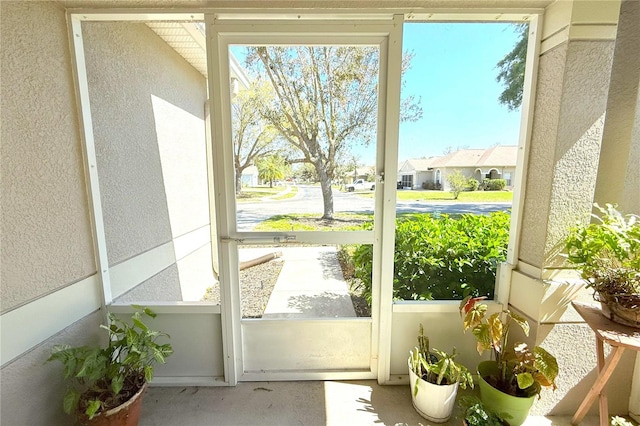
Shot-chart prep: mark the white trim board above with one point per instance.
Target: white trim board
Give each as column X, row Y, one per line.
column 31, row 324
column 22, row 328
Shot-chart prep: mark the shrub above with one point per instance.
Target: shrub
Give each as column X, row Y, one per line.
column 431, row 186
column 472, row 184
column 457, row 182
column 494, row 184
column 442, row 258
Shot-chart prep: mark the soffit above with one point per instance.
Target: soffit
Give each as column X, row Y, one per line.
column 186, row 39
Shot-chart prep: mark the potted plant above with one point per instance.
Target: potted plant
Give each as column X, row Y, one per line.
column 510, row 382
column 476, row 414
column 607, row 252
column 435, row 376
column 106, row 384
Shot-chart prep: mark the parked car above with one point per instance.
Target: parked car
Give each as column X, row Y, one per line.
column 359, row 185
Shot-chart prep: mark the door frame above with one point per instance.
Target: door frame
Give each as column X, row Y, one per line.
column 384, row 31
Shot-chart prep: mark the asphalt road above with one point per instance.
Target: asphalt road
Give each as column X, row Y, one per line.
column 309, row 200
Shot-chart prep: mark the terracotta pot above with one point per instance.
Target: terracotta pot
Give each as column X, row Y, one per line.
column 126, row 414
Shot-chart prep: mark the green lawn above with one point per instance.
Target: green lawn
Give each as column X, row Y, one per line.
column 254, row 193
column 312, row 222
column 475, row 196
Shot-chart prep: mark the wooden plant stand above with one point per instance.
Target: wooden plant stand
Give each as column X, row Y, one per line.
column 619, row 337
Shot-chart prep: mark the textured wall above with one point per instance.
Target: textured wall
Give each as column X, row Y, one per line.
column 164, row 286
column 567, row 130
column 129, row 67
column 631, row 194
column 46, row 236
column 181, row 143
column 31, row 390
column 541, row 154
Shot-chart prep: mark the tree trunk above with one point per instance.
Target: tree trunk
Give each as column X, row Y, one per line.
column 327, row 194
column 238, row 181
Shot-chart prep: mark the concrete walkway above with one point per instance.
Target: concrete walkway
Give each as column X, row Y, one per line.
column 309, row 403
column 310, row 284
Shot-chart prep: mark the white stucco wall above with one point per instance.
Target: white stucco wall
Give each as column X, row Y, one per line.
column 32, row 390
column 44, row 216
column 147, row 104
column 564, row 147
column 631, row 194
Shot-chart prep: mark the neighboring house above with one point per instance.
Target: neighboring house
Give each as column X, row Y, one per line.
column 359, row 173
column 250, row 176
column 498, row 162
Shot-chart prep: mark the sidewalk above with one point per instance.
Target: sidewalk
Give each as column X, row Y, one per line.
column 310, row 285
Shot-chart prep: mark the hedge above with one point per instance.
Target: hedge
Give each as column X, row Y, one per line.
column 442, row 257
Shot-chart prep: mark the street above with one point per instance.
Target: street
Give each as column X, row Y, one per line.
column 309, row 200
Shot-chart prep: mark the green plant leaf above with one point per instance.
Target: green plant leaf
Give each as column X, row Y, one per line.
column 148, row 373
column 495, row 327
column 70, row 401
column 547, row 367
column 521, row 321
column 524, row 380
column 92, row 408
column 117, row 383
column 483, row 336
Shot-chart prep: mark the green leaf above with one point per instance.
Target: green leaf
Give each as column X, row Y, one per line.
column 117, row 383
column 92, row 408
column 547, row 366
column 148, row 373
column 483, row 335
column 524, row 380
column 521, row 321
column 70, row 401
column 138, row 323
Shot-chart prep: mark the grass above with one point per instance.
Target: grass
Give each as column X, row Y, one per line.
column 255, row 193
column 474, row 196
column 464, row 197
column 311, row 222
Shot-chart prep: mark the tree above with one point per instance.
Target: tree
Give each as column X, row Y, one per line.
column 450, row 149
column 325, row 101
column 252, row 137
column 271, row 168
column 512, row 68
column 458, row 183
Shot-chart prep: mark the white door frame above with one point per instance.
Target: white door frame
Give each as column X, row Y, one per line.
column 386, row 33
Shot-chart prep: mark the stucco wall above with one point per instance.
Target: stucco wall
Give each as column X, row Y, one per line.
column 44, row 217
column 567, row 130
column 631, row 194
column 32, row 390
column 164, row 286
column 148, row 110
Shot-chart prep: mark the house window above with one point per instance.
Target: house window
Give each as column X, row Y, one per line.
column 407, row 181
column 507, row 177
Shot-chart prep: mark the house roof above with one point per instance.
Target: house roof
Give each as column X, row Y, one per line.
column 497, row 156
column 418, row 163
column 188, row 40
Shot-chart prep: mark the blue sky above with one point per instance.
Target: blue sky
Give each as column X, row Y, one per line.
column 454, row 72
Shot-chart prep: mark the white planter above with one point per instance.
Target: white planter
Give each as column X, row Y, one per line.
column 433, row 402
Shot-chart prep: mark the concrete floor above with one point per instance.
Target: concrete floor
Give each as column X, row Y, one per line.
column 334, row 403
